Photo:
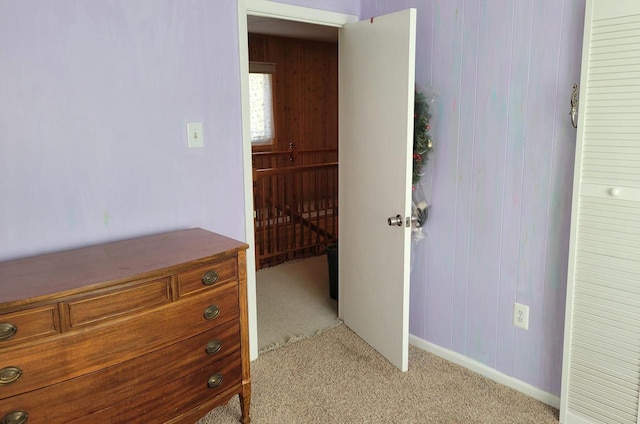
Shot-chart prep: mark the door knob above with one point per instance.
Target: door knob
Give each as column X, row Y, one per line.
column 395, row 220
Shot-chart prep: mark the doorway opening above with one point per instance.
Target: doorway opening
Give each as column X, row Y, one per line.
column 375, row 128
column 295, row 179
column 295, row 169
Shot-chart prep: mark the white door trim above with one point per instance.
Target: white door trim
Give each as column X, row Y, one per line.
column 289, row 12
column 280, row 11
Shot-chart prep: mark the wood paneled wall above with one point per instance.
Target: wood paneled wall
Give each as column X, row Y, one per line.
column 305, row 90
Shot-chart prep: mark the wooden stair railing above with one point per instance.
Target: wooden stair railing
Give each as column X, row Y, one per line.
column 295, row 211
column 292, row 157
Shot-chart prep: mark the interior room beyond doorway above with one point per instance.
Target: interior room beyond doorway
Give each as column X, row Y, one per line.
column 295, row 174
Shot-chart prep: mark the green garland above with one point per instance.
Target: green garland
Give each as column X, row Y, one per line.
column 422, row 143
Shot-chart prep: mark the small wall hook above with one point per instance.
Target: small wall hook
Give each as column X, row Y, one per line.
column 574, row 106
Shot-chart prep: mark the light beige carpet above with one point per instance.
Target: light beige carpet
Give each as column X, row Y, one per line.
column 293, row 302
column 336, row 378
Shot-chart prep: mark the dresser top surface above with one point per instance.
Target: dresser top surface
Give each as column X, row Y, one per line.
column 73, row 270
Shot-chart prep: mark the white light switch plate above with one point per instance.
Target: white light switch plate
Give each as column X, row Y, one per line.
column 195, row 135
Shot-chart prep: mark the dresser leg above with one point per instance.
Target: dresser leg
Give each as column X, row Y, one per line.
column 245, row 405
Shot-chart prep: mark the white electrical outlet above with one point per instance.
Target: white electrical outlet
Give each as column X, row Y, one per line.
column 195, row 135
column 521, row 315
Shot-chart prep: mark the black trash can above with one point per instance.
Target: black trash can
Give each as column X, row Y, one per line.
column 332, row 259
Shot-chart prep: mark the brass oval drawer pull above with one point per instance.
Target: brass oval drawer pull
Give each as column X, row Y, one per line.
column 209, row 278
column 15, row 417
column 213, row 346
column 214, row 381
column 211, row 312
column 7, row 331
column 9, row 374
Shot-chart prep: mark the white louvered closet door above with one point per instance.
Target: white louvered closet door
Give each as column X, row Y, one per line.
column 601, row 372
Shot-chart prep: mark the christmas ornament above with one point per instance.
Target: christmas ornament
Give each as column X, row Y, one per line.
column 422, row 143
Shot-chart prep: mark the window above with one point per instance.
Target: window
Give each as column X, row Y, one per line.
column 261, row 104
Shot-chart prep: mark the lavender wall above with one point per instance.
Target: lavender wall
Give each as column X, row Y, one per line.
column 499, row 179
column 94, row 98
column 94, row 101
column 349, row 7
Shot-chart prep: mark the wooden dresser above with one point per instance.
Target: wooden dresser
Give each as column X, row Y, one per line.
column 147, row 330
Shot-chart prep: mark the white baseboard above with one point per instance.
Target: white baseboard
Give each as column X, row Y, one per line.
column 486, row 371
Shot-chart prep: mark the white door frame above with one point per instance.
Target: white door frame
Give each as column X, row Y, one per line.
column 268, row 9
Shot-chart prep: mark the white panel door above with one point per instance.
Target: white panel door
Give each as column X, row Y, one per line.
column 376, row 90
column 601, row 367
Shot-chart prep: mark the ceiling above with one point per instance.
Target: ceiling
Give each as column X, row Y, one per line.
column 291, row 29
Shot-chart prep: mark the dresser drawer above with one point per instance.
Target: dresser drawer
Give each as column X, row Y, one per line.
column 90, row 393
column 116, row 302
column 78, row 352
column 181, row 393
column 205, row 277
column 29, row 324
